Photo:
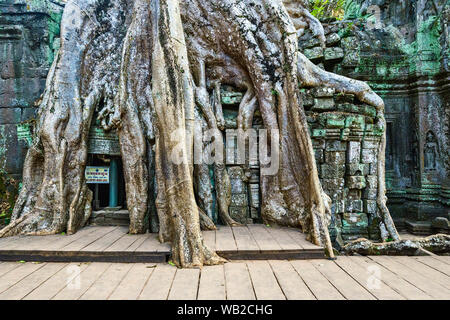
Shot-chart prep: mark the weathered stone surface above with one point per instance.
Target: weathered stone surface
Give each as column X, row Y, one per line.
column 323, row 104
column 338, row 206
column 350, row 43
column 357, row 169
column 231, row 97
column 369, row 156
column 311, row 43
column 335, row 121
column 373, row 169
column 354, row 153
column 335, row 157
column 347, row 107
column 353, row 194
column 372, row 181
column 12, row 148
column 370, row 206
column 10, row 115
column 323, row 92
column 335, row 145
column 355, row 206
column 355, row 218
column 332, row 39
column 333, row 53
column 370, row 144
column 29, row 32
column 355, row 122
column 345, row 98
column 351, row 59
column 318, row 154
column 314, row 53
column 308, row 99
column 370, row 194
column 333, row 187
column 356, row 182
column 442, row 224
column 332, row 170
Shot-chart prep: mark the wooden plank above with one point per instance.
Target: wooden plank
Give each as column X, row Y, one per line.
column 283, row 238
column 6, row 267
column 152, row 244
column 425, row 270
column 137, row 243
column 38, row 242
column 244, row 239
column 365, row 278
column 76, row 288
column 124, row 243
column 132, row 284
column 316, row 282
column 107, row 240
column 19, row 242
column 300, row 238
column 264, row 282
column 185, row 285
column 64, row 240
column 209, row 239
column 225, row 239
column 430, row 287
column 212, row 283
column 444, row 259
column 7, row 243
column 31, row 282
column 263, row 238
column 345, row 284
column 50, row 242
column 159, row 283
column 392, row 280
column 82, row 242
column 238, row 282
column 435, row 264
column 56, row 283
column 14, row 276
column 102, row 288
column 4, row 242
column 291, row 283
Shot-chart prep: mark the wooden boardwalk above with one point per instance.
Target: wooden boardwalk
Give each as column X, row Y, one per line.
column 113, row 244
column 351, row 278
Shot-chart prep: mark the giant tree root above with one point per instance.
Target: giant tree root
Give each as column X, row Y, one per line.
column 438, row 244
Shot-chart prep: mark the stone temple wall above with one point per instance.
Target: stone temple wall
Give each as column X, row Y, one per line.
column 346, row 139
column 402, row 51
column 29, row 36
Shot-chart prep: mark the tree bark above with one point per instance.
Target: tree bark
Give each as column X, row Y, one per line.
column 438, row 244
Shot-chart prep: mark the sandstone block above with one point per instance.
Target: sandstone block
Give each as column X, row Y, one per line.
column 356, row 182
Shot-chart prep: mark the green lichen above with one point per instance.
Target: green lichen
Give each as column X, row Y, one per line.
column 424, row 53
column 54, row 29
column 54, row 13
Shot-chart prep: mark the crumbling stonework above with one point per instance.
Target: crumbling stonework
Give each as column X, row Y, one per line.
column 346, row 140
column 29, row 37
column 402, row 51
